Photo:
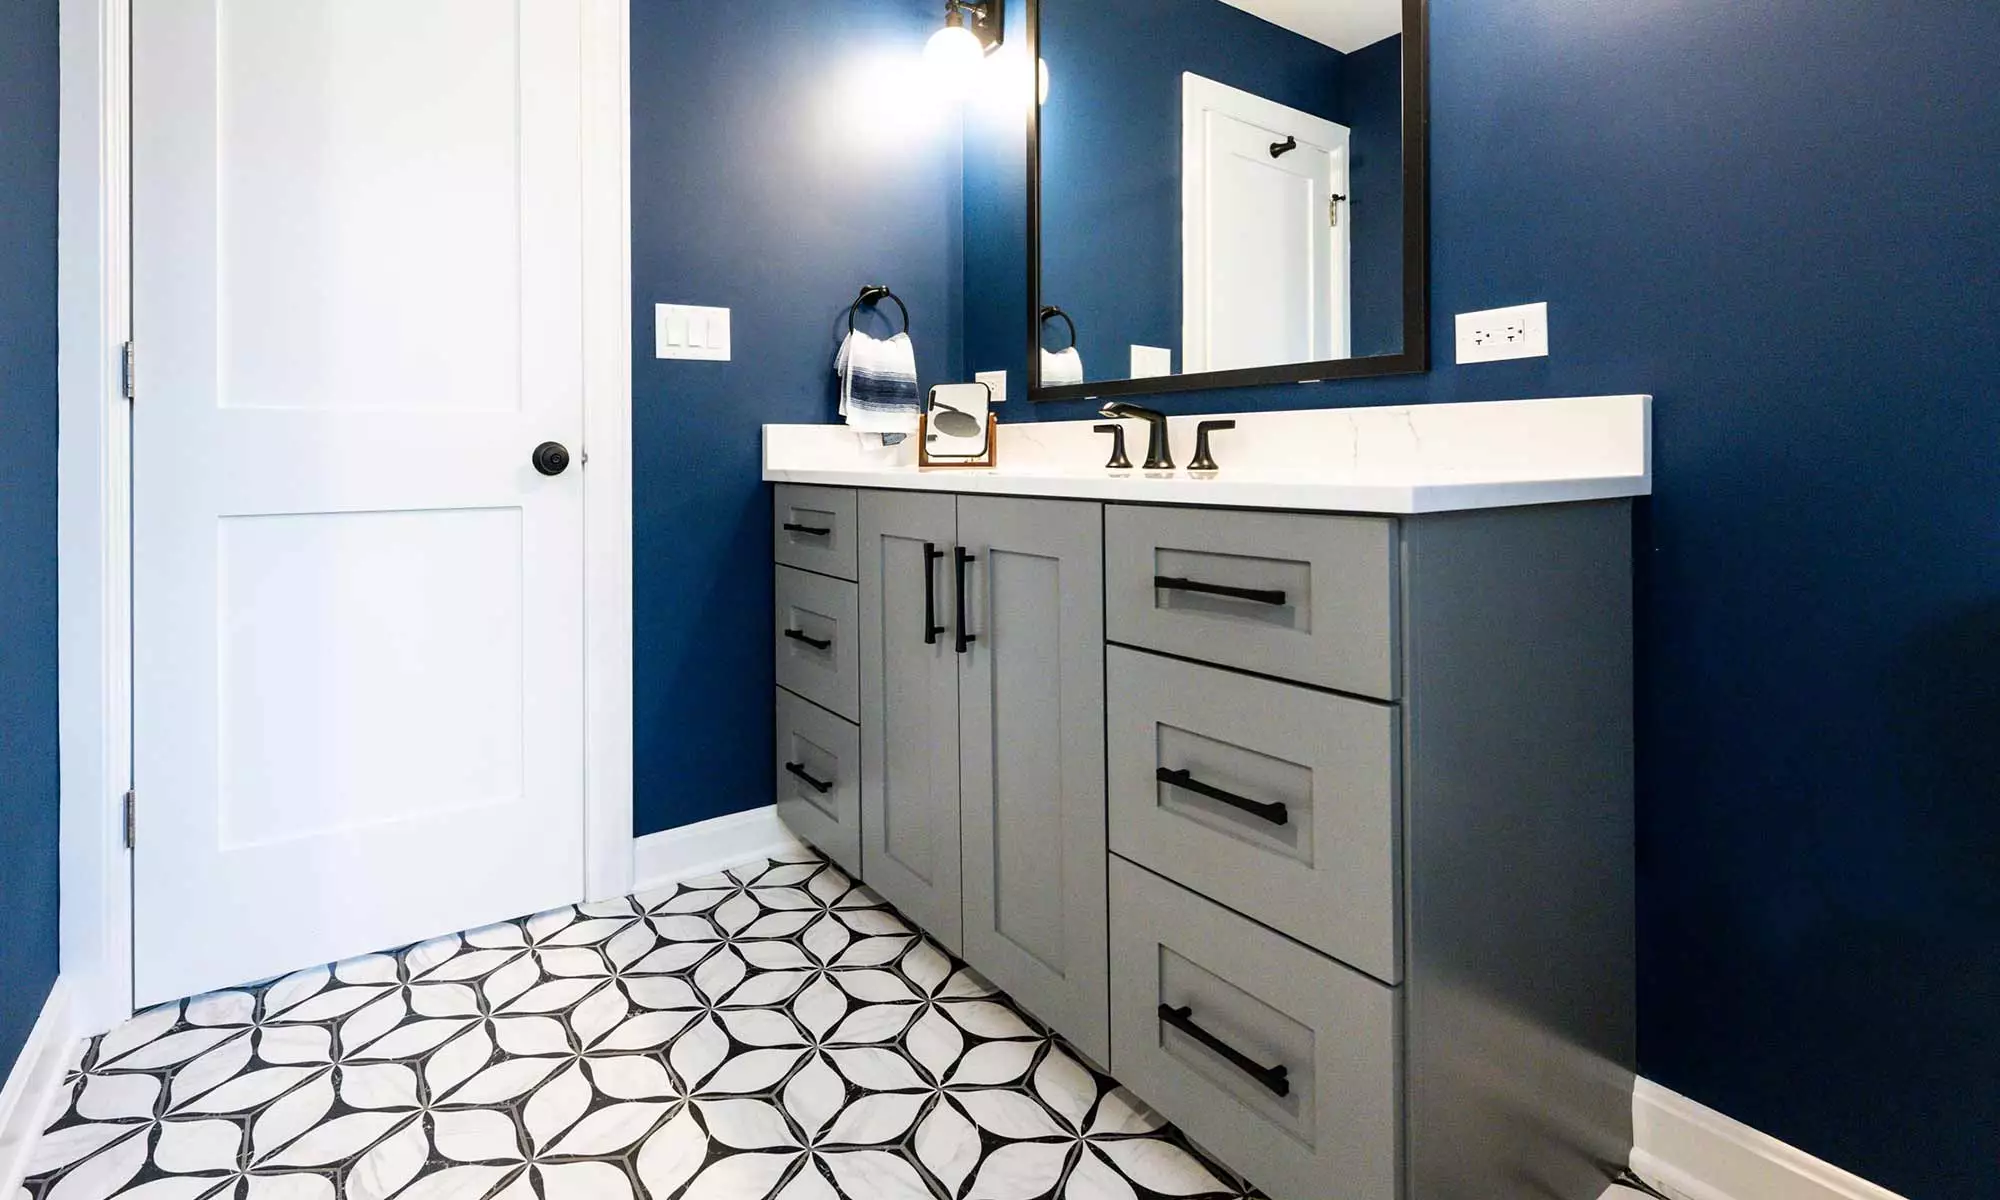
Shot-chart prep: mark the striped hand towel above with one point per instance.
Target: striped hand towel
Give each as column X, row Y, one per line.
column 878, row 383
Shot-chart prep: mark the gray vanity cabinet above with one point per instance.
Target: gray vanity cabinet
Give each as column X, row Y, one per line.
column 1314, row 828
column 909, row 707
column 1031, row 753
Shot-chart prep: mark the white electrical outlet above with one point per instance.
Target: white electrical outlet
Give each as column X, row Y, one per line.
column 997, row 380
column 690, row 331
column 1151, row 362
column 1503, row 333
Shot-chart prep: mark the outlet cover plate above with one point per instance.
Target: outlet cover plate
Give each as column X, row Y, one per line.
column 691, row 331
column 1151, row 362
column 997, row 380
column 1498, row 334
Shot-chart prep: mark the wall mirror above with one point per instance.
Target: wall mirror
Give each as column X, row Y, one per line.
column 1225, row 193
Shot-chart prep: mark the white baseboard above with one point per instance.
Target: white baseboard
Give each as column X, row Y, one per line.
column 1692, row 1152
column 28, row 1099
column 663, row 859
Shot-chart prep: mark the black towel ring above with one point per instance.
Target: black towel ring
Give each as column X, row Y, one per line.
column 870, row 296
column 1051, row 312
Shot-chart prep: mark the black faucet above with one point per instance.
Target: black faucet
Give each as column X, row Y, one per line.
column 1159, row 457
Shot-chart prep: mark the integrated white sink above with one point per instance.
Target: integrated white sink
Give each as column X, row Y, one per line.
column 1426, row 458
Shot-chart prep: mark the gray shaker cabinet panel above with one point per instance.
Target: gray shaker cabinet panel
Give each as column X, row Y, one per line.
column 814, row 637
column 819, row 779
column 1282, row 1062
column 812, row 528
column 1295, row 595
column 1287, row 808
column 909, row 708
column 1031, row 709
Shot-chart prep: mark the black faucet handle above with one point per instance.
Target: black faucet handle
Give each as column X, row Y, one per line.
column 1118, row 460
column 1203, row 460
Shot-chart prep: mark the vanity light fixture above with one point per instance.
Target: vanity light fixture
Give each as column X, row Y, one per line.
column 972, row 30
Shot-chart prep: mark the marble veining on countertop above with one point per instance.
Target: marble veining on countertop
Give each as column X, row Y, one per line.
column 1419, row 459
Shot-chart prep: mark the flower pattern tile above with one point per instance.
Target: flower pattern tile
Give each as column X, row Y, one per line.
column 774, row 1031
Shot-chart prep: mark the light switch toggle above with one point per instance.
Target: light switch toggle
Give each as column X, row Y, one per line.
column 691, row 331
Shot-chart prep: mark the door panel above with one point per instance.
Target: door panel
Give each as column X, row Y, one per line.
column 1265, row 265
column 909, row 709
column 358, row 707
column 1268, row 231
column 1032, row 753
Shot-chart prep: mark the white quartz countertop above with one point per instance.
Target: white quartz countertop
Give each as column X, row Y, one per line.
column 1422, row 459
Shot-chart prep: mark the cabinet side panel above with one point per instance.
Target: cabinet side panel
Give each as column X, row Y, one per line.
column 1519, row 868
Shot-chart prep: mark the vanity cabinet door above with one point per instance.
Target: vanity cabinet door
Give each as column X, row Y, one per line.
column 909, row 708
column 1031, row 705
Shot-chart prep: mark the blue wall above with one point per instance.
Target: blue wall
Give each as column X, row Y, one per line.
column 27, row 517
column 1780, row 219
column 1371, row 103
column 1111, row 161
column 781, row 157
column 995, row 302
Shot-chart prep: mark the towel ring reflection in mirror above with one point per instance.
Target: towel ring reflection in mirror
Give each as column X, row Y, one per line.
column 1051, row 312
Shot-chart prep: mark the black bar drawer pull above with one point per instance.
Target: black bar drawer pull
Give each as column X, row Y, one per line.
column 931, row 627
column 1171, row 583
column 959, row 559
column 1274, row 812
column 810, row 530
column 800, row 635
column 1277, row 1080
column 818, row 785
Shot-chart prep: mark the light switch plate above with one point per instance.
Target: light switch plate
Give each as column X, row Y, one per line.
column 997, row 380
column 1151, row 362
column 1498, row 334
column 691, row 331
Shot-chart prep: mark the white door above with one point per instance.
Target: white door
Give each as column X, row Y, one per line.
column 358, row 686
column 1264, row 272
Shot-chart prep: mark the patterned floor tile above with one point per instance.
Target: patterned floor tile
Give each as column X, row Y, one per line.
column 775, row 1031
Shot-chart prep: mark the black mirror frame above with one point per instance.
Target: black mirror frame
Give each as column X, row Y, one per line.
column 1414, row 359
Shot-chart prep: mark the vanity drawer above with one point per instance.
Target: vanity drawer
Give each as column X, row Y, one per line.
column 1245, row 1000
column 812, row 528
column 819, row 779
column 1303, row 834
column 817, row 624
column 1311, row 598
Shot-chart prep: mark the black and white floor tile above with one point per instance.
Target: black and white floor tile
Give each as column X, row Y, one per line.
column 775, row 1031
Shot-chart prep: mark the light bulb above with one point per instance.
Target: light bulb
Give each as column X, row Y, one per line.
column 953, row 53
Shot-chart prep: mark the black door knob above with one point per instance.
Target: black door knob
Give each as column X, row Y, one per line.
column 551, row 458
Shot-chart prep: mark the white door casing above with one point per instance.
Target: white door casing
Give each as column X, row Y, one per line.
column 360, row 261
column 1264, row 266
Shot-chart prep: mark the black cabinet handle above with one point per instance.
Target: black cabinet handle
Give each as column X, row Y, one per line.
column 931, row 627
column 1169, row 583
column 818, row 785
column 1275, row 813
column 799, row 635
column 1277, row 1080
column 811, row 530
column 959, row 559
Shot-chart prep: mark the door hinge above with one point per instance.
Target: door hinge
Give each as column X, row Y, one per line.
column 130, row 367
column 1333, row 210
column 131, row 819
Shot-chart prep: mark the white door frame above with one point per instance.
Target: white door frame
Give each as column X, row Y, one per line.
column 94, row 500
column 1200, row 95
